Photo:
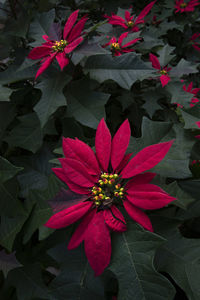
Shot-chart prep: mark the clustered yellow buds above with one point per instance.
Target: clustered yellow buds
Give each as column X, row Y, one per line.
column 130, row 24
column 107, row 189
column 183, row 5
column 163, row 72
column 115, row 46
column 59, row 45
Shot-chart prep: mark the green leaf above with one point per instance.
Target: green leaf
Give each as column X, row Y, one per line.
column 8, row 262
column 76, row 279
column 125, row 69
column 165, row 55
column 184, row 67
column 27, row 135
column 5, row 93
column 151, row 98
column 7, row 114
column 10, row 227
column 178, row 95
column 132, row 263
column 28, row 282
column 52, row 96
column 179, row 257
column 7, row 170
column 85, row 104
column 40, row 26
column 41, row 212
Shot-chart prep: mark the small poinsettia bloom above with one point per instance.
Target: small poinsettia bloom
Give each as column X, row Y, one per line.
column 108, row 179
column 163, row 71
column 58, row 49
column 193, row 91
column 155, row 21
column 130, row 22
column 118, row 48
column 184, row 6
column 196, row 41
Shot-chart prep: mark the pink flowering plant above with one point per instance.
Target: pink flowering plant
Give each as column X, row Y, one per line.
column 99, row 150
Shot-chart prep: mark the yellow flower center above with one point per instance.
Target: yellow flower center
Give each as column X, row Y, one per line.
column 59, row 45
column 183, row 5
column 163, row 72
column 107, row 190
column 115, row 46
column 130, row 24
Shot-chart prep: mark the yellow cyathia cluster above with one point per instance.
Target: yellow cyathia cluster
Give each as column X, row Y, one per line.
column 163, row 72
column 107, row 190
column 115, row 46
column 130, row 24
column 59, row 45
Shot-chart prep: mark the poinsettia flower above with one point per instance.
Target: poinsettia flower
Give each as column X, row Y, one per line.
column 52, row 49
column 163, row 71
column 130, row 22
column 194, row 91
column 155, row 21
column 108, row 179
column 190, row 90
column 182, row 6
column 117, row 46
column 196, row 44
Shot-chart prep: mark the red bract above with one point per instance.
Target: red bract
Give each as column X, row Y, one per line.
column 182, row 6
column 117, row 46
column 163, row 71
column 196, row 44
column 130, row 22
column 103, row 178
column 194, row 91
column 52, row 49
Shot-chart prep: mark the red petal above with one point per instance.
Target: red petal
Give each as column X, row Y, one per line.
column 78, row 150
column 62, row 60
column 39, row 52
column 76, row 31
column 79, row 234
column 138, row 215
column 120, row 143
column 140, row 179
column 77, row 172
column 114, row 219
column 74, row 187
column 127, row 16
column 148, row 196
column 146, row 159
column 45, row 64
column 198, row 124
column 122, row 36
column 154, row 61
column 98, row 244
column 69, row 215
column 164, row 79
column 69, row 48
column 103, row 144
column 69, row 24
column 145, row 11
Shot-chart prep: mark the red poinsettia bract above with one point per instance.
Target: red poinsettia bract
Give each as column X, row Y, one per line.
column 163, row 71
column 52, row 49
column 196, row 41
column 117, row 46
column 108, row 180
column 130, row 22
column 182, row 6
column 190, row 90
